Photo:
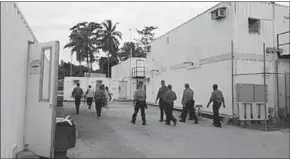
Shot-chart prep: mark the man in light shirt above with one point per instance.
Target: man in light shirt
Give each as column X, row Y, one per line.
column 139, row 103
column 218, row 99
column 90, row 96
column 188, row 102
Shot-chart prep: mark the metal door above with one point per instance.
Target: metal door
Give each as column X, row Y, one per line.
column 123, row 89
column 98, row 84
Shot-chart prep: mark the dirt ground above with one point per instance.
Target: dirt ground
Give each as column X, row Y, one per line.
column 114, row 136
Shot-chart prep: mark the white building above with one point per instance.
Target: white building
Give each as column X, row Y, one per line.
column 28, row 86
column 128, row 73
column 95, row 82
column 199, row 52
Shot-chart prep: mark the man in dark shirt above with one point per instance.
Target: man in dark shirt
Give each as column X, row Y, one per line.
column 139, row 103
column 160, row 96
column 188, row 101
column 169, row 99
column 218, row 99
column 77, row 94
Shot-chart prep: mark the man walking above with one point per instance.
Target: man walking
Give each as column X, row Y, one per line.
column 90, row 96
column 160, row 96
column 99, row 100
column 139, row 103
column 77, row 94
column 169, row 99
column 187, row 100
column 218, row 99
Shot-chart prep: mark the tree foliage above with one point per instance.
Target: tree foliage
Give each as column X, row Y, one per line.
column 125, row 51
column 147, row 35
column 88, row 38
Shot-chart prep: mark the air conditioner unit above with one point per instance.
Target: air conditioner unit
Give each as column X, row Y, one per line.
column 221, row 13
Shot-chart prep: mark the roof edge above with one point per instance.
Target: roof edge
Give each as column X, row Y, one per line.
column 25, row 21
column 202, row 14
column 189, row 20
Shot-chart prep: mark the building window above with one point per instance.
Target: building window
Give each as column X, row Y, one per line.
column 45, row 79
column 254, row 25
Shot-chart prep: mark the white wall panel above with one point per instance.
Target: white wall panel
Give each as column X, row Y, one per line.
column 15, row 34
column 198, row 38
column 200, row 80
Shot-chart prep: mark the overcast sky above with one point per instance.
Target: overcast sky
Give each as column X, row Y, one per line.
column 52, row 20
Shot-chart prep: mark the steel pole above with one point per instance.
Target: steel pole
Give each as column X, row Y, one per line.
column 265, row 89
column 232, row 60
column 286, row 95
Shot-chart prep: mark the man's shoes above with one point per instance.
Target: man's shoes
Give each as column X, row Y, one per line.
column 160, row 120
column 167, row 123
column 133, row 122
column 196, row 122
column 183, row 121
column 143, row 123
column 174, row 123
column 190, row 119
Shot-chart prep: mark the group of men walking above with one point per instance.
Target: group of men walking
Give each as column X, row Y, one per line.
column 166, row 97
column 101, row 96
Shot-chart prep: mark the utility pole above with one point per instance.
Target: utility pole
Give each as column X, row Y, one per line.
column 108, row 65
column 71, row 65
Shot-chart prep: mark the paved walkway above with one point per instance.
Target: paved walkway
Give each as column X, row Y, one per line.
column 114, row 137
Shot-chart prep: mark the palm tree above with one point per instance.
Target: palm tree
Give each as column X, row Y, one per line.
column 85, row 40
column 110, row 41
column 111, row 37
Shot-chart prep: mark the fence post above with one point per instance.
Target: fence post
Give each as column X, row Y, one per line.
column 265, row 90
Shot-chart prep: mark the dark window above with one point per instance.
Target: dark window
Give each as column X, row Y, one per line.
column 254, row 25
column 76, row 81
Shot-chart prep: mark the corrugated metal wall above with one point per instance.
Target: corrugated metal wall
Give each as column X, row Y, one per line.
column 205, row 38
column 272, row 22
column 15, row 34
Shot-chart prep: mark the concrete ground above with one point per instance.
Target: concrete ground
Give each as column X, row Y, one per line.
column 115, row 137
